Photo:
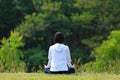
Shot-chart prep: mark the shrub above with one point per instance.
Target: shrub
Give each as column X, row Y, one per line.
column 35, row 58
column 10, row 54
column 107, row 55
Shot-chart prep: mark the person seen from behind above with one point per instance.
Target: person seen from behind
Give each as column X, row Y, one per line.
column 59, row 58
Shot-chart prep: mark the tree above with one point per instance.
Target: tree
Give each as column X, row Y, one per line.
column 12, row 16
column 107, row 55
column 97, row 18
column 35, row 57
column 85, row 23
column 39, row 27
column 10, row 54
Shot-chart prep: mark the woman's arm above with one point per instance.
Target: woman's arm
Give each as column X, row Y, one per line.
column 49, row 59
column 69, row 58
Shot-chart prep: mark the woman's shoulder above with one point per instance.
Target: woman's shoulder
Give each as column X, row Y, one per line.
column 59, row 45
column 51, row 46
column 65, row 46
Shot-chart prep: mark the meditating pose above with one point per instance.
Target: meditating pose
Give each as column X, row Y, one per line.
column 59, row 59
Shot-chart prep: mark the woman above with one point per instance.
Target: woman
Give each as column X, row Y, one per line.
column 59, row 59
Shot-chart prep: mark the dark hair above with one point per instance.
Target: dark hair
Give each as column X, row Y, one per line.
column 58, row 38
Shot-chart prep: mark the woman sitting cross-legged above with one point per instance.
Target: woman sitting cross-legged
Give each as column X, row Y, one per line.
column 59, row 59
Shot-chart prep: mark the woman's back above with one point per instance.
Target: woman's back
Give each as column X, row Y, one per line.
column 59, row 54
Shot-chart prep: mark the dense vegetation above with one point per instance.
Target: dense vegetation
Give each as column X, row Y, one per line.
column 27, row 28
column 107, row 55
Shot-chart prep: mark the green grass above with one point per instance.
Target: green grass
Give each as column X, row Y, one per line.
column 42, row 76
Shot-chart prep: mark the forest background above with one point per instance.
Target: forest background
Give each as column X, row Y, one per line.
column 91, row 30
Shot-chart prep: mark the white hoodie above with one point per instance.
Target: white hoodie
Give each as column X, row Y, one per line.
column 59, row 57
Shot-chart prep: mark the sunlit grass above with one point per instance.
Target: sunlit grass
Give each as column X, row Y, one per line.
column 42, row 76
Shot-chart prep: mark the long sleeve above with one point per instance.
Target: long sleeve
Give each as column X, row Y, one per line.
column 68, row 58
column 49, row 58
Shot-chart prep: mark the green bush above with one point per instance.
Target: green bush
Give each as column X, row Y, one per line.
column 107, row 55
column 10, row 54
column 79, row 58
column 35, row 58
column 80, row 54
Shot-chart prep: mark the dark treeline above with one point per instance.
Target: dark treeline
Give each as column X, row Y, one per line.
column 85, row 24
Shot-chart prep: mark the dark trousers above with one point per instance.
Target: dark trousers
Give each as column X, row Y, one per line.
column 70, row 70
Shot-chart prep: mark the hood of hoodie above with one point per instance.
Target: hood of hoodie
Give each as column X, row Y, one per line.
column 58, row 47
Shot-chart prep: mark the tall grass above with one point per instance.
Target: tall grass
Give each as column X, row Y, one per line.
column 98, row 66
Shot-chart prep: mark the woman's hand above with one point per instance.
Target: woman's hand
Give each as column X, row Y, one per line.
column 73, row 66
column 45, row 66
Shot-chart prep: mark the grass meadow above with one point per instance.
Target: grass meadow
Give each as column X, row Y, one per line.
column 42, row 76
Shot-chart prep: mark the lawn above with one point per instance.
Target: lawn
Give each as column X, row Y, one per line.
column 42, row 76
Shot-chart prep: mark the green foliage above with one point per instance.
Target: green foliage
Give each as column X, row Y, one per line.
column 35, row 58
column 38, row 27
column 51, row 6
column 84, row 17
column 10, row 54
column 100, row 20
column 11, row 16
column 80, row 54
column 107, row 55
column 46, row 6
column 85, row 23
column 33, row 24
column 85, row 4
column 24, row 6
column 92, row 41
